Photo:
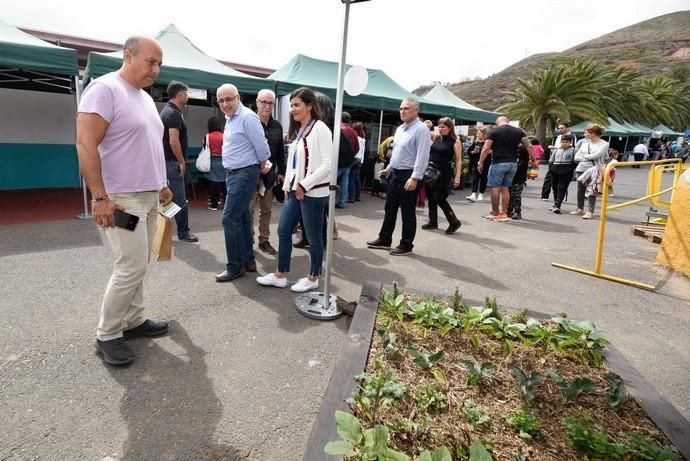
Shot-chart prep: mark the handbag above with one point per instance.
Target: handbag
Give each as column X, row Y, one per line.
column 203, row 161
column 162, row 241
column 431, row 175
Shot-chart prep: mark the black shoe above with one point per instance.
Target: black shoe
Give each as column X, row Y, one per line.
column 516, row 216
column 400, row 251
column 301, row 244
column 350, row 201
column 430, row 225
column 358, row 200
column 115, row 351
column 339, row 205
column 379, row 243
column 148, row 328
column 226, row 276
column 267, row 248
column 189, row 238
column 452, row 227
column 557, row 210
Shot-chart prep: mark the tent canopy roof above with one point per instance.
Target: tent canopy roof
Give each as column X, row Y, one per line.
column 26, row 52
column 464, row 110
column 382, row 92
column 612, row 129
column 182, row 61
column 666, row 131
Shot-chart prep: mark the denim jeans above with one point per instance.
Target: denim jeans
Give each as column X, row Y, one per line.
column 312, row 210
column 343, row 180
column 398, row 197
column 177, row 186
column 354, row 183
column 237, row 224
column 501, row 174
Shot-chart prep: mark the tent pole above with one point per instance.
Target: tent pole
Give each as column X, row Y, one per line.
column 77, row 97
column 323, row 306
column 380, row 128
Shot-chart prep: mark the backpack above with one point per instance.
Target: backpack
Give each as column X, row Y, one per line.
column 346, row 154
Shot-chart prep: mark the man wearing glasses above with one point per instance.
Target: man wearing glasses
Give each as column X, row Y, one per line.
column 245, row 152
column 405, row 171
column 563, row 129
column 273, row 130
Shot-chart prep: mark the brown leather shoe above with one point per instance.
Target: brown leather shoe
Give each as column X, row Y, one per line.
column 267, row 248
column 250, row 268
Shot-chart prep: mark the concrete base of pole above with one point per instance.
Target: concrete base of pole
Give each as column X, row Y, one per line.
column 313, row 305
column 84, row 216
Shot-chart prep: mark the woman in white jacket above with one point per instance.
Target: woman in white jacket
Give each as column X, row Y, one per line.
column 306, row 186
column 591, row 154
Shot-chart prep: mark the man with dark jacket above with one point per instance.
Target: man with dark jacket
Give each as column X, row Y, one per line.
column 265, row 102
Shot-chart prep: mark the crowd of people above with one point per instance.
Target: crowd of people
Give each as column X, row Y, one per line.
column 134, row 159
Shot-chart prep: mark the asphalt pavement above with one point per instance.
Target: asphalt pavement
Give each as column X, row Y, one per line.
column 241, row 373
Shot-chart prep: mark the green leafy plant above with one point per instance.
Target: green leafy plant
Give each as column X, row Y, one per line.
column 490, row 303
column 644, row 449
column 477, row 372
column 455, row 301
column 520, row 317
column 475, row 414
column 525, row 423
column 478, row 452
column 573, row 389
column 582, row 339
column 526, row 382
column 539, row 334
column 475, row 316
column 377, row 390
column 392, row 303
column 440, row 454
column 424, row 360
column 429, row 398
column 389, row 340
column 619, row 396
column 431, row 314
column 591, row 440
column 371, row 444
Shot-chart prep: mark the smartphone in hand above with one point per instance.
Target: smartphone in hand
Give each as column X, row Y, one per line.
column 125, row 220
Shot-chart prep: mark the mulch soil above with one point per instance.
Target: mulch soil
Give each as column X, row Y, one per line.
column 499, row 394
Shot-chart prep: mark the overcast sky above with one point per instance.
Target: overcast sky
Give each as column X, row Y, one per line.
column 415, row 42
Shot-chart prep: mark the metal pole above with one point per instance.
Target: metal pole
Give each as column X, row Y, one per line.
column 320, row 305
column 336, row 148
column 85, row 214
column 380, row 129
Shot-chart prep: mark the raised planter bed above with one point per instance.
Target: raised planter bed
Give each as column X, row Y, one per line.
column 483, row 362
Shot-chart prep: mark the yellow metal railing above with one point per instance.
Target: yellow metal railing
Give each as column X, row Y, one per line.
column 653, row 191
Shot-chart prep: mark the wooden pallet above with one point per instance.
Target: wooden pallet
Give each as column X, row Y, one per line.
column 652, row 232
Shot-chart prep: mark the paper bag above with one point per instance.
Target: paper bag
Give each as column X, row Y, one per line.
column 162, row 242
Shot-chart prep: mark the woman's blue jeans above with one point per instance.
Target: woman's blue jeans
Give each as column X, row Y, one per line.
column 312, row 210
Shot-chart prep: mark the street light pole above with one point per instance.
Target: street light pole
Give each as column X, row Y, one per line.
column 318, row 305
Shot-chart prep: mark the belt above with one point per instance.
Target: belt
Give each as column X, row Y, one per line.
column 397, row 170
column 235, row 170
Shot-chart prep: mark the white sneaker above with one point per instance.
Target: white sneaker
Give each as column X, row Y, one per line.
column 270, row 280
column 304, row 284
column 480, row 197
column 472, row 198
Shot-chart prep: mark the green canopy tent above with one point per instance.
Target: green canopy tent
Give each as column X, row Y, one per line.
column 381, row 93
column 665, row 131
column 613, row 128
column 463, row 110
column 30, row 64
column 182, row 61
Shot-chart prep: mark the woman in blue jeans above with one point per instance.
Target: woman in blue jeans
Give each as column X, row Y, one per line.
column 306, row 184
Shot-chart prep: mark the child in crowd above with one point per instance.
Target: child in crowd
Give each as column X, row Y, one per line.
column 519, row 180
column 613, row 155
column 561, row 166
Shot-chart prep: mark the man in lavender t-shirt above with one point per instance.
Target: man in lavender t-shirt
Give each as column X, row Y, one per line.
column 121, row 158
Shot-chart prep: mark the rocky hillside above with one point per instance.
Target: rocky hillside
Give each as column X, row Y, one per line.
column 657, row 46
